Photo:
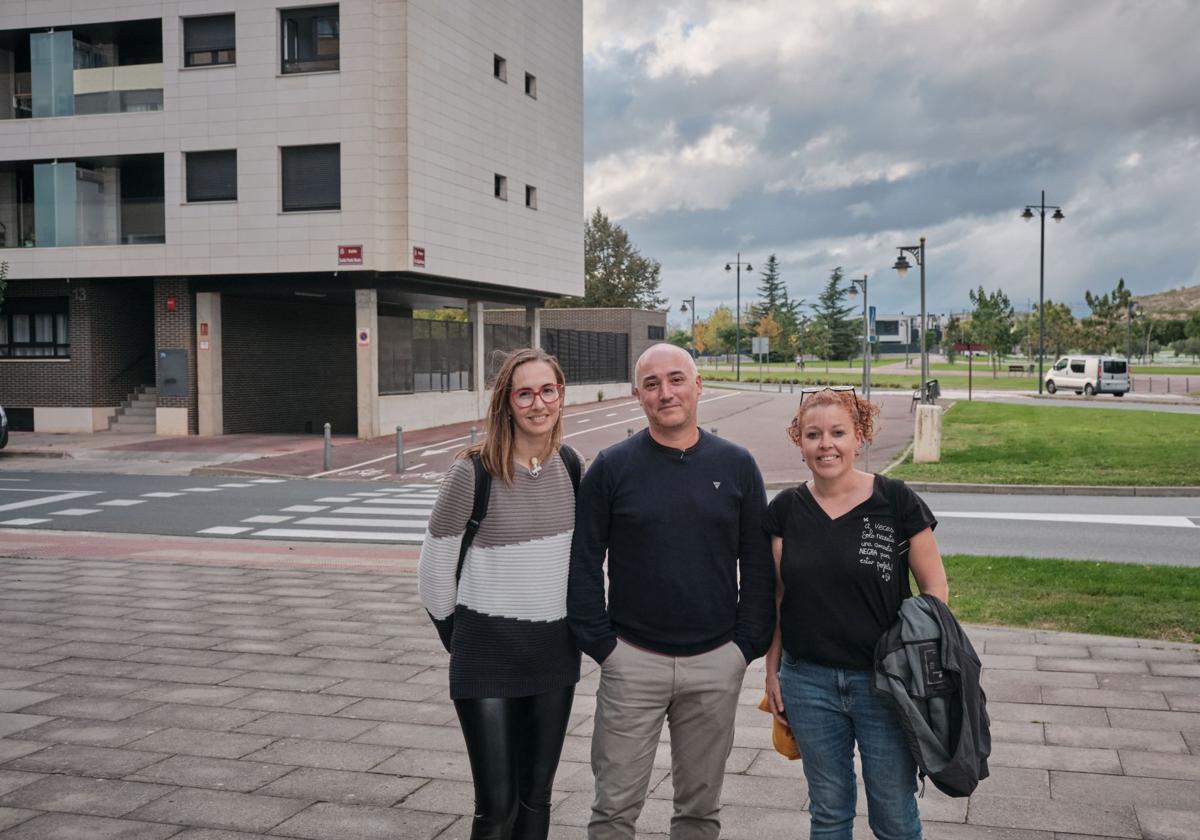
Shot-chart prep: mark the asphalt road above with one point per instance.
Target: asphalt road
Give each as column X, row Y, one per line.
column 1155, row 530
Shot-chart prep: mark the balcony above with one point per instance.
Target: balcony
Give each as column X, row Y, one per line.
column 114, row 200
column 90, row 69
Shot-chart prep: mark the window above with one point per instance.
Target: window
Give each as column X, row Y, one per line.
column 656, row 333
column 312, row 177
column 531, row 197
column 1114, row 366
column 1077, row 366
column 500, row 187
column 311, row 39
column 500, row 68
column 208, row 41
column 35, row 327
column 211, row 176
column 531, row 85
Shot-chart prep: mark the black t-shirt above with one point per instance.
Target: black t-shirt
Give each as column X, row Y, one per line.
column 844, row 578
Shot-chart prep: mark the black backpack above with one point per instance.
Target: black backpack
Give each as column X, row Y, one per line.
column 483, row 490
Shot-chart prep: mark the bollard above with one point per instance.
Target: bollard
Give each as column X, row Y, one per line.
column 474, row 434
column 781, row 387
column 328, row 447
column 1168, row 384
column 399, row 450
column 714, row 430
column 628, row 431
column 793, row 388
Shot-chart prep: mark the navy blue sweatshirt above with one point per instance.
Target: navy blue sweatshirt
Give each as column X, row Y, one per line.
column 675, row 525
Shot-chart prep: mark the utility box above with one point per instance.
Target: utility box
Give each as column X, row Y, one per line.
column 927, row 435
column 172, row 373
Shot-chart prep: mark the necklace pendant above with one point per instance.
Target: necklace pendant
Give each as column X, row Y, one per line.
column 534, row 467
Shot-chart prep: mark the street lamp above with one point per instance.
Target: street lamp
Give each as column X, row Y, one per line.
column 902, row 266
column 1058, row 216
column 854, row 284
column 683, row 307
column 738, row 315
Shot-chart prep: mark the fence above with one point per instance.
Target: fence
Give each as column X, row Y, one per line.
column 589, row 357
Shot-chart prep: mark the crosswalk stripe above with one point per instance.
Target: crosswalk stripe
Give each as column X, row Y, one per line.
column 361, row 536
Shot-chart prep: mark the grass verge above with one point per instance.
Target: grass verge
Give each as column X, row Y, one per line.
column 818, row 376
column 993, row 443
column 1079, row 596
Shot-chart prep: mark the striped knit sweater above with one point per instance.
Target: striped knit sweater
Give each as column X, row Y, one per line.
column 504, row 623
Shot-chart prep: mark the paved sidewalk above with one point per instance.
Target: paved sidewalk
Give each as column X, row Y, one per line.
column 172, row 688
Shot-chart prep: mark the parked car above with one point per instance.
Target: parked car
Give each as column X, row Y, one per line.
column 3, row 428
column 1090, row 375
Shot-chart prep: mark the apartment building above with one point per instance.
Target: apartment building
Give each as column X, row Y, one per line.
column 234, row 207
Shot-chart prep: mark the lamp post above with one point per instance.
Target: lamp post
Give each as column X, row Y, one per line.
column 738, row 315
column 683, row 307
column 1132, row 310
column 854, row 284
column 902, row 266
column 1058, row 216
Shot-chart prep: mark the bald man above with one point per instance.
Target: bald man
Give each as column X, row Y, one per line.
column 691, row 600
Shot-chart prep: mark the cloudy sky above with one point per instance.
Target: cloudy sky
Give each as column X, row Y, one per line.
column 831, row 132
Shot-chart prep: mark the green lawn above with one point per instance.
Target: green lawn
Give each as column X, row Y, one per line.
column 1163, row 370
column 1113, row 599
column 814, row 375
column 1018, row 444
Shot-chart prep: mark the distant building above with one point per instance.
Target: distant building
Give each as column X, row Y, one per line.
column 233, row 209
column 900, row 333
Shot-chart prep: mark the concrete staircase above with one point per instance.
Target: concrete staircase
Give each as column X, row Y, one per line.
column 136, row 414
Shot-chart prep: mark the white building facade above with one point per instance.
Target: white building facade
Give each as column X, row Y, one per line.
column 236, row 205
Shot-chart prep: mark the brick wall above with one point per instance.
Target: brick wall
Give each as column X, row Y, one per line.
column 288, row 364
column 177, row 331
column 58, row 383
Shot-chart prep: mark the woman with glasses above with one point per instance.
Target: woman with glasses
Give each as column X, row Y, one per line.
column 845, row 542
column 513, row 664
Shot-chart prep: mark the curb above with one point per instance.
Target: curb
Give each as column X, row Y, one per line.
column 1051, row 489
column 217, row 469
column 32, row 453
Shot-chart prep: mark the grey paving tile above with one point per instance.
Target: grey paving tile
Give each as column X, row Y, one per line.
column 1053, row 815
column 422, row 736
column 1149, row 682
column 1037, row 713
column 79, row 827
column 221, row 809
column 19, row 699
column 374, row 671
column 87, row 732
column 771, row 763
column 1187, row 722
column 750, row 792
column 1024, row 782
column 78, row 760
column 95, row 708
column 1021, row 733
column 11, row 780
column 1160, row 765
column 344, row 786
column 1175, row 669
column 1092, row 666
column 12, row 749
column 88, row 686
column 207, row 772
column 94, row 650
column 400, row 711
column 287, row 725
column 1184, row 702
column 260, row 646
column 1146, row 654
column 186, row 716
column 270, row 663
column 92, row 667
column 216, row 834
column 195, row 695
column 385, row 690
column 14, row 722
column 1106, row 737
column 364, row 822
column 1002, row 662
column 1051, row 679
column 429, row 764
column 1167, row 823
column 180, row 656
column 88, row 633
column 1054, row 758
column 445, row 796
column 174, row 640
column 300, row 702
column 282, row 682
column 13, row 678
column 1134, row 790
column 15, row 816
column 949, row 831
column 184, row 674
column 1032, row 649
column 73, row 795
column 201, row 742
column 24, row 661
column 343, row 653
column 1011, row 693
column 1104, row 697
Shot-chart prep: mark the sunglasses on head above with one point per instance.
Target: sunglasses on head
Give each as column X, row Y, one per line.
column 808, row 392
column 793, row 429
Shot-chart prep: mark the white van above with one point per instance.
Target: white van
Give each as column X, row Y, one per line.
column 1090, row 375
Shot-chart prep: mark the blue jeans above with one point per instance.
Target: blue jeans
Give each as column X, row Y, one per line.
column 830, row 709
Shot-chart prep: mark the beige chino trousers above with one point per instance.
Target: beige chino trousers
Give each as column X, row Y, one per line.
column 697, row 695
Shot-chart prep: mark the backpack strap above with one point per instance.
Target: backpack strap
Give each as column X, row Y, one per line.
column 571, row 460
column 483, row 491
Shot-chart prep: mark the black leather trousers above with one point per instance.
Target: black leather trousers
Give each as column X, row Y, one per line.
column 514, row 744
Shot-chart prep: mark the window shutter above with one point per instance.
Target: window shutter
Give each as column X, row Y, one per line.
column 312, row 177
column 212, row 176
column 214, row 32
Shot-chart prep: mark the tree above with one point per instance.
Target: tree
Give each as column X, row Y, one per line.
column 1062, row 330
column 768, row 328
column 1104, row 329
column 441, row 314
column 817, row 340
column 771, row 291
column 836, row 318
column 680, row 338
column 953, row 335
column 708, row 331
column 992, row 323
column 1191, row 329
column 615, row 272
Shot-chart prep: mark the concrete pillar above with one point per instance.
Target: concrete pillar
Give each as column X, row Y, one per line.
column 366, row 329
column 478, row 361
column 533, row 320
column 209, row 376
column 927, row 435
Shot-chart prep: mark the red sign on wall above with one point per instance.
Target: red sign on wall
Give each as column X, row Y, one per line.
column 350, row 255
column 418, row 257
